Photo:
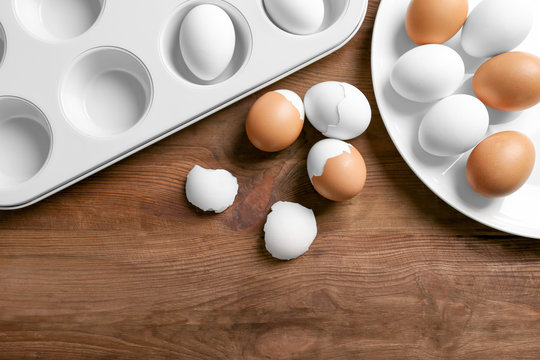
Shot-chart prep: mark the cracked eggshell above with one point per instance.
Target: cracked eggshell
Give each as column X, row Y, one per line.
column 338, row 110
column 290, row 230
column 336, row 169
column 295, row 100
column 275, row 120
column 211, row 190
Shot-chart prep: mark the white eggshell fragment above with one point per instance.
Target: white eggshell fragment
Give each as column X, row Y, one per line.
column 289, row 230
column 428, row 73
column 497, row 26
column 300, row 17
column 338, row 110
column 207, row 41
column 211, row 190
column 454, row 125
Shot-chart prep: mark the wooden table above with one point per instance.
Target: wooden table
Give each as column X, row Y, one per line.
column 120, row 266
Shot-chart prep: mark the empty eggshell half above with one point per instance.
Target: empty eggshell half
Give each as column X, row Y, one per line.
column 211, row 190
column 336, row 169
column 290, row 230
column 207, row 41
column 275, row 120
column 338, row 110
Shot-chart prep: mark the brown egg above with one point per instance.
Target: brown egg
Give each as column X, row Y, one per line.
column 275, row 121
column 501, row 164
column 343, row 176
column 435, row 21
column 509, row 82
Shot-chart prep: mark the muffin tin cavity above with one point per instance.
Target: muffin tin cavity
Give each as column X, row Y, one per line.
column 106, row 92
column 170, row 44
column 25, row 141
column 58, row 19
column 288, row 16
column 334, row 10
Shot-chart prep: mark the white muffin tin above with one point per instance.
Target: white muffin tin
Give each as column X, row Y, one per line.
column 85, row 83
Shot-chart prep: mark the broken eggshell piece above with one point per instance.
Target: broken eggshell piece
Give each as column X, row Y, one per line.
column 290, row 230
column 211, row 190
column 338, row 110
column 336, row 169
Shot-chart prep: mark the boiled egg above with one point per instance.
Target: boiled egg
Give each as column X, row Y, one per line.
column 338, row 110
column 428, row 73
column 435, row 22
column 290, row 230
column 207, row 41
column 454, row 125
column 336, row 169
column 501, row 164
column 211, row 190
column 497, row 26
column 509, row 82
column 275, row 120
column 300, row 17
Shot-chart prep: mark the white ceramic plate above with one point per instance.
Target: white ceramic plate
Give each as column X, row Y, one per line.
column 517, row 214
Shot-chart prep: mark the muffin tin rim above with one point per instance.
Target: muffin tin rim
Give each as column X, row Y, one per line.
column 328, row 43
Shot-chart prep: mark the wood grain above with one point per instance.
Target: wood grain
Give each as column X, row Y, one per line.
column 120, row 266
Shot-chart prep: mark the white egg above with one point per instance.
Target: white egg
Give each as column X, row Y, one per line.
column 428, row 73
column 497, row 26
column 300, row 17
column 338, row 110
column 211, row 190
column 295, row 100
column 207, row 41
column 454, row 125
column 289, row 230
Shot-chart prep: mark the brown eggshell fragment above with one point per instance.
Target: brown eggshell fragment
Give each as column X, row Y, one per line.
column 273, row 123
column 435, row 21
column 501, row 164
column 509, row 82
column 343, row 178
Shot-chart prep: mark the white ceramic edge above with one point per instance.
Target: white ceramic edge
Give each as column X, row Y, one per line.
column 511, row 230
column 359, row 19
